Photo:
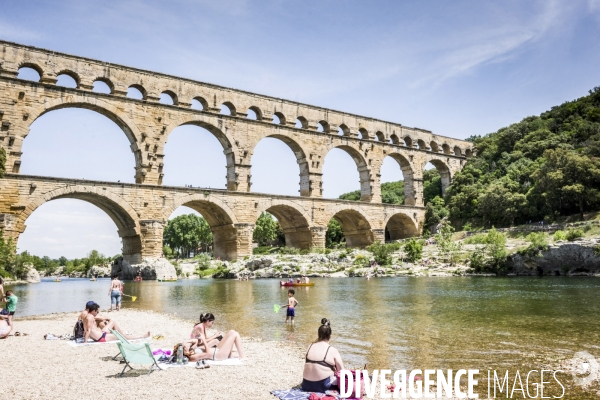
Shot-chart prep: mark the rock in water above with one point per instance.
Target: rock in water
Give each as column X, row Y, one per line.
column 151, row 269
column 32, row 275
column 99, row 271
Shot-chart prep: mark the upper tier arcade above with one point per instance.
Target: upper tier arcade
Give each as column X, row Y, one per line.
column 310, row 131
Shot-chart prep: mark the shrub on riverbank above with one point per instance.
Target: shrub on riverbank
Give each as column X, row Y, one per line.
column 414, row 250
column 382, row 253
column 492, row 256
column 574, row 234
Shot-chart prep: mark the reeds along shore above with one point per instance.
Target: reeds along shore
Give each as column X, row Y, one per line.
column 34, row 368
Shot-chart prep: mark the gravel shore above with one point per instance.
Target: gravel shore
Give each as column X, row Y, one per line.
column 34, row 368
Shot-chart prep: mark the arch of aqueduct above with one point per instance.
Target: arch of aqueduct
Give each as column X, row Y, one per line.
column 140, row 210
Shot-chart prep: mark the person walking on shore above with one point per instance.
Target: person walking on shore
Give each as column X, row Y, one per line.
column 115, row 292
column 11, row 305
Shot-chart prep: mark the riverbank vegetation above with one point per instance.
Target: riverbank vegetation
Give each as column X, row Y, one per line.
column 16, row 266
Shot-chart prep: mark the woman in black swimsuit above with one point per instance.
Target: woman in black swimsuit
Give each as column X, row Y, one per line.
column 322, row 360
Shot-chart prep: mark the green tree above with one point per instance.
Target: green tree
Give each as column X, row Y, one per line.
column 334, row 234
column 187, row 233
column 443, row 239
column 167, row 251
column 265, row 230
column 62, row 261
column 435, row 211
column 8, row 252
column 432, row 185
column 568, row 178
column 354, row 196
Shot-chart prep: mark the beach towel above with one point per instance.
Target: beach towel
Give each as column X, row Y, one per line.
column 298, row 394
column 228, row 362
column 92, row 342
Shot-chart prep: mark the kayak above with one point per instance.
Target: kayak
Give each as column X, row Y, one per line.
column 296, row 284
column 167, row 280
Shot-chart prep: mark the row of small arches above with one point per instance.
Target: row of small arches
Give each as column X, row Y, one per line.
column 168, row 97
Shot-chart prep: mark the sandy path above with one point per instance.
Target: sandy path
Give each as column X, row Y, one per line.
column 34, row 368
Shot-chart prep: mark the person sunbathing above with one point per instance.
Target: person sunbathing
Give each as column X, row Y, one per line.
column 5, row 328
column 222, row 351
column 321, row 362
column 99, row 335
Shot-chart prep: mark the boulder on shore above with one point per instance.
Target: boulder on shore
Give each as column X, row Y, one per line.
column 150, row 268
column 100, row 271
column 32, row 275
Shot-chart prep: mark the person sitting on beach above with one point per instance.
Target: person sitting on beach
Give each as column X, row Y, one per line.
column 5, row 328
column 222, row 351
column 98, row 335
column 321, row 362
column 199, row 332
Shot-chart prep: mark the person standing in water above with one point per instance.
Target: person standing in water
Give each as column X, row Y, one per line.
column 115, row 292
column 292, row 303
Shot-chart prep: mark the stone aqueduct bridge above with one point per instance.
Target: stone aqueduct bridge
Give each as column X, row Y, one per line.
column 140, row 210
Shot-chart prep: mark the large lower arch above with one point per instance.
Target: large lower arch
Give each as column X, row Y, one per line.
column 355, row 225
column 122, row 214
column 231, row 239
column 400, row 226
column 293, row 221
column 104, row 108
column 301, row 160
column 366, row 193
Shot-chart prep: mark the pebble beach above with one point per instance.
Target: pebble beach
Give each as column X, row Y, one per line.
column 35, row 368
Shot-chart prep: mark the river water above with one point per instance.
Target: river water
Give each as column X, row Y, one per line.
column 393, row 323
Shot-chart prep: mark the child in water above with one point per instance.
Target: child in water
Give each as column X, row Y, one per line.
column 292, row 303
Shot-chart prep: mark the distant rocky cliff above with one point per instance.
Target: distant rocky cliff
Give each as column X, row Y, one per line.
column 581, row 257
column 150, row 268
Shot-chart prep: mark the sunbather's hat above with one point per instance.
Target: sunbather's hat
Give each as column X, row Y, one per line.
column 89, row 304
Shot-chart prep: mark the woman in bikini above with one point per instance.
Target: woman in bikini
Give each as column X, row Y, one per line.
column 321, row 362
column 199, row 332
column 222, row 351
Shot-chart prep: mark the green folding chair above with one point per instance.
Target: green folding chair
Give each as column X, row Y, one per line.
column 121, row 339
column 137, row 353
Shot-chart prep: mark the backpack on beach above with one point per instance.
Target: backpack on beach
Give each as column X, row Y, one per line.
column 78, row 330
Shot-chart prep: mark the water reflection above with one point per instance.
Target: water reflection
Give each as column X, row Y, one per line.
column 388, row 323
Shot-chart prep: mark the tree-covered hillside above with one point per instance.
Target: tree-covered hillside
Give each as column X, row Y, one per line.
column 540, row 168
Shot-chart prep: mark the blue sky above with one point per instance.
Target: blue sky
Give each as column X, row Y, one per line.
column 457, row 68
